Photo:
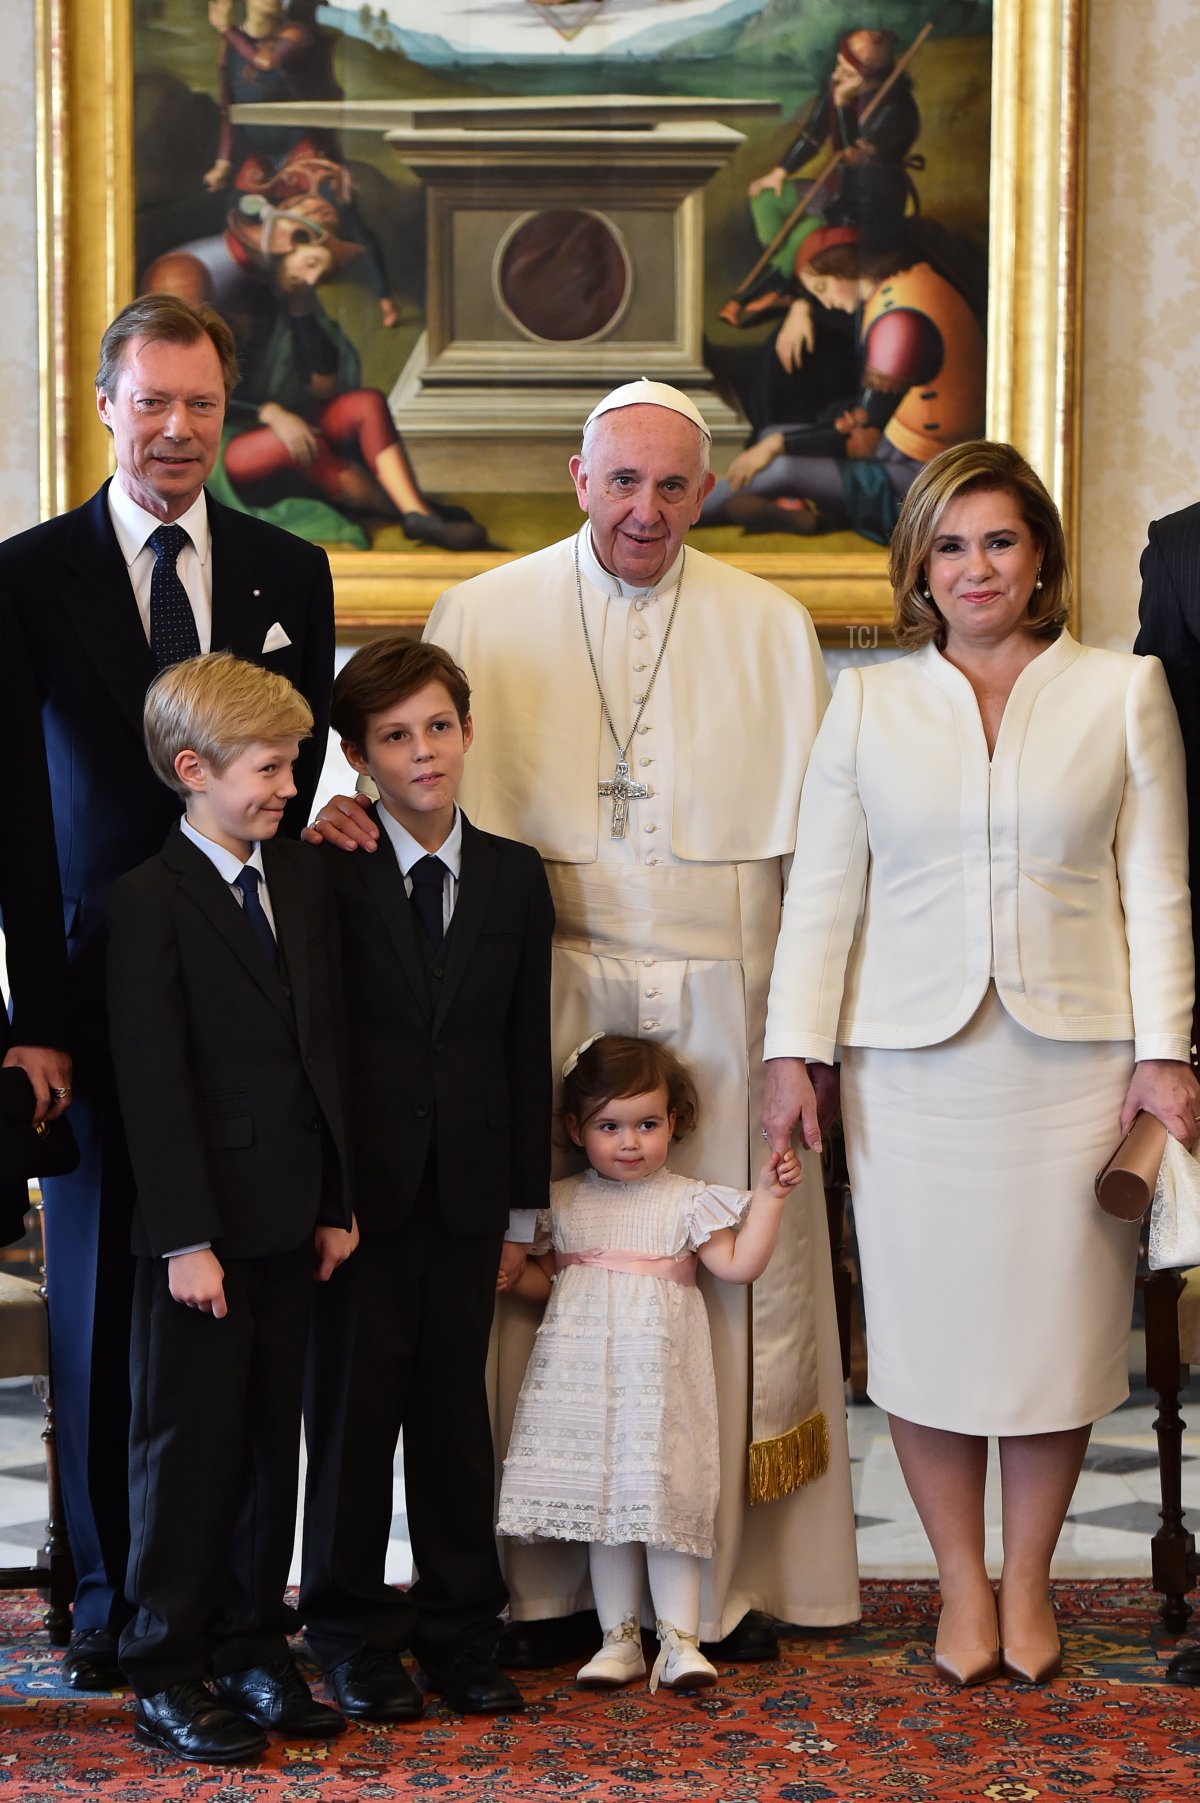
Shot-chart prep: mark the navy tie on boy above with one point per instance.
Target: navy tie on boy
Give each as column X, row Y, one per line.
column 428, row 877
column 247, row 880
column 173, row 634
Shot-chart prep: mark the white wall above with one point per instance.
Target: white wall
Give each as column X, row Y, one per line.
column 18, row 272
column 1141, row 346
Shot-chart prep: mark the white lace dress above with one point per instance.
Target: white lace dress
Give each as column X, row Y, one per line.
column 615, row 1435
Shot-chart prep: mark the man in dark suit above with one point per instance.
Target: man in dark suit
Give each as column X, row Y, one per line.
column 446, row 953
column 1169, row 612
column 36, row 954
column 145, row 573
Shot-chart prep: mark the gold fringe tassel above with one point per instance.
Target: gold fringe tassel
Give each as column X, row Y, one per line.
column 791, row 1460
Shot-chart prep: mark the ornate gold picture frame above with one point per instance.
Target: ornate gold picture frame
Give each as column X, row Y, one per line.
column 87, row 268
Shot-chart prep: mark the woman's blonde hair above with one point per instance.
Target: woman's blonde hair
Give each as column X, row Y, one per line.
column 970, row 468
column 216, row 706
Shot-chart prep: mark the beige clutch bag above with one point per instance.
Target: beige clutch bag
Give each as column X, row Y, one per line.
column 1125, row 1187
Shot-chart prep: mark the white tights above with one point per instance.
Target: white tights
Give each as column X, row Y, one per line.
column 617, row 1571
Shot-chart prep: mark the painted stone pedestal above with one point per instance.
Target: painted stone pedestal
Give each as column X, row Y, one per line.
column 565, row 254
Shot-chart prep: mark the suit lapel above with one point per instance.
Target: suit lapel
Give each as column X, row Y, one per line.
column 476, row 882
column 97, row 597
column 380, row 876
column 241, row 588
column 291, row 930
column 202, row 884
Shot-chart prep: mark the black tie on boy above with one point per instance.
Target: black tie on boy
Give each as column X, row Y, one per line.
column 247, row 880
column 428, row 879
column 173, row 634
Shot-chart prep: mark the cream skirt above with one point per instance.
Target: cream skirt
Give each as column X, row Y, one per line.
column 997, row 1295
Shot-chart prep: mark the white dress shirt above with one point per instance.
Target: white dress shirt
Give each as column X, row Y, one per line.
column 409, row 852
column 133, row 526
column 230, row 866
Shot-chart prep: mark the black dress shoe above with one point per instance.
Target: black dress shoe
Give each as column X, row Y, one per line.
column 1185, row 1667
column 534, row 1646
column 472, row 1685
column 90, row 1661
column 373, row 1686
column 278, row 1699
column 186, row 1720
column 750, row 1643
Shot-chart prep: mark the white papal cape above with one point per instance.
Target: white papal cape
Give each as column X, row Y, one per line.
column 669, row 933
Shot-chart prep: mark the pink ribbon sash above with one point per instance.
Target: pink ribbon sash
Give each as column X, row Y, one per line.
column 675, row 1270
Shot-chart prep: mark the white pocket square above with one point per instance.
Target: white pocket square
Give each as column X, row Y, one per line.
column 276, row 639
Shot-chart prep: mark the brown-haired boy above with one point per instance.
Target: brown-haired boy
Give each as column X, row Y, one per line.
column 446, row 953
column 228, row 1041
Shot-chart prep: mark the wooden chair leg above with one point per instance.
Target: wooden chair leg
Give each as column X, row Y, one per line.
column 54, row 1554
column 1172, row 1549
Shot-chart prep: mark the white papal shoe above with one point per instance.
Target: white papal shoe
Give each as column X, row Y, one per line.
column 619, row 1661
column 680, row 1664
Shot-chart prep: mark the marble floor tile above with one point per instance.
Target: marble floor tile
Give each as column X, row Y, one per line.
column 1113, row 1514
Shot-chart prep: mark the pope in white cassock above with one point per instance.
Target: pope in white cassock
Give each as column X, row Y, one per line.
column 643, row 715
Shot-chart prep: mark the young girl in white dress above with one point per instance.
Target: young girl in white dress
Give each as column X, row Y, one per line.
column 615, row 1436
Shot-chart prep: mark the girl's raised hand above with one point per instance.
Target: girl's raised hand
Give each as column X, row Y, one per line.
column 782, row 1172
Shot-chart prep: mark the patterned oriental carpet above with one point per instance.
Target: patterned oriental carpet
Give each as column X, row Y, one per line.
column 857, row 1716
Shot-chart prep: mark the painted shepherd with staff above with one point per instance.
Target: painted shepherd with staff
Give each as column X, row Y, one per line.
column 868, row 115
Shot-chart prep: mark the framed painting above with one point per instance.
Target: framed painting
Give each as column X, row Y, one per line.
column 442, row 234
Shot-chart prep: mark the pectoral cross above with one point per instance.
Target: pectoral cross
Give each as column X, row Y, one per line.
column 622, row 792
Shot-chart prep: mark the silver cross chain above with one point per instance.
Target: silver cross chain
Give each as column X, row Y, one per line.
column 622, row 792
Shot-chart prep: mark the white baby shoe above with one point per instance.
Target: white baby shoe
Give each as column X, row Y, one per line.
column 680, row 1664
column 619, row 1661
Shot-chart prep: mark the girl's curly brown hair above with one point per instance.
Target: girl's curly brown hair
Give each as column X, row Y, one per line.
column 616, row 1066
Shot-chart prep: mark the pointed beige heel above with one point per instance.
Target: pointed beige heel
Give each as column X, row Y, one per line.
column 969, row 1663
column 1035, row 1660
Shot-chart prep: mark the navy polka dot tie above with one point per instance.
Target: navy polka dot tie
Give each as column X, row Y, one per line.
column 173, row 634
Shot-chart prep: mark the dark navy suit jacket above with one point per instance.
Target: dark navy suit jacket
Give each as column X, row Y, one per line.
column 70, row 588
column 29, row 912
column 1170, row 630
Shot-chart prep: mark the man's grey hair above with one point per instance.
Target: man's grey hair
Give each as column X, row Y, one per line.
column 164, row 319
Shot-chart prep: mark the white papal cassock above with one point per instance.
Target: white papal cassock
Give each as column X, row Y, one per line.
column 668, row 933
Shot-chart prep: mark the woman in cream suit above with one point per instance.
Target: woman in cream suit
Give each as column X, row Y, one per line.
column 988, row 913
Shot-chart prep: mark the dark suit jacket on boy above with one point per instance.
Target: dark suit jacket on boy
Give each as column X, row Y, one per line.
column 449, row 1052
column 229, row 1073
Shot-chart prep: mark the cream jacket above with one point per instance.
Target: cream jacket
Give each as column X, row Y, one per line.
column 922, row 870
